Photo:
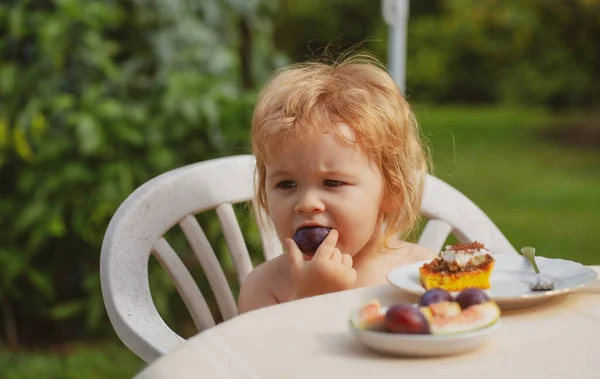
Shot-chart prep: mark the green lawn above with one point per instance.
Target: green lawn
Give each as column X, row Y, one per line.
column 108, row 360
column 538, row 193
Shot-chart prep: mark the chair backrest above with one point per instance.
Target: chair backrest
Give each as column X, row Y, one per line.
column 174, row 198
column 136, row 231
column 451, row 212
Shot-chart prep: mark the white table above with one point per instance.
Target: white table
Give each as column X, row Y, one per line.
column 310, row 338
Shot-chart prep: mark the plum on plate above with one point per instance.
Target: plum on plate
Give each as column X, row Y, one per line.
column 309, row 238
column 406, row 319
column 435, row 295
column 471, row 296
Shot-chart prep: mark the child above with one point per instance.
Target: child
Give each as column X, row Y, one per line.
column 337, row 146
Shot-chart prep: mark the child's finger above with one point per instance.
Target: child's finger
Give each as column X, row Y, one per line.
column 325, row 250
column 336, row 256
column 352, row 276
column 347, row 260
column 295, row 255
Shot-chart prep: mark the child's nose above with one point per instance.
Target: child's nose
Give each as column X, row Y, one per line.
column 309, row 202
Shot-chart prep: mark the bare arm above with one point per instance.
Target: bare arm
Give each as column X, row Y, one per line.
column 256, row 289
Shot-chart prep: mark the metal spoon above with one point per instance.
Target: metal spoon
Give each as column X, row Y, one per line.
column 541, row 284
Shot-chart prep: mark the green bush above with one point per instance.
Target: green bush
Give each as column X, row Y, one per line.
column 97, row 97
column 533, row 52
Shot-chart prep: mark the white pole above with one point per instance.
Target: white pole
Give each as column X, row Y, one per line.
column 395, row 13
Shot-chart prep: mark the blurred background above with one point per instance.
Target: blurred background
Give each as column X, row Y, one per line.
column 99, row 96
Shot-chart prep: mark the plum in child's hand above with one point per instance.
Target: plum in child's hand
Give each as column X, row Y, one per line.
column 471, row 296
column 435, row 295
column 406, row 319
column 309, row 238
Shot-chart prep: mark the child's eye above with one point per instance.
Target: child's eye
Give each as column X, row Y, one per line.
column 332, row 183
column 286, row 184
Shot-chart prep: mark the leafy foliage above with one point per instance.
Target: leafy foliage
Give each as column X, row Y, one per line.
column 96, row 97
column 531, row 52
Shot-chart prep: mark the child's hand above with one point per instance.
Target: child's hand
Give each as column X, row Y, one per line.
column 328, row 271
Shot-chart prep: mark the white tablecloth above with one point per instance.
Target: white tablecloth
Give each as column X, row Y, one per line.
column 310, row 338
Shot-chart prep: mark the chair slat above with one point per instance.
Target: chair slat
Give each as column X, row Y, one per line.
column 210, row 264
column 271, row 246
column 441, row 201
column 435, row 234
column 235, row 240
column 185, row 284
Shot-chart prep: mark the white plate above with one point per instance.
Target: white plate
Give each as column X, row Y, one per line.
column 511, row 278
column 424, row 345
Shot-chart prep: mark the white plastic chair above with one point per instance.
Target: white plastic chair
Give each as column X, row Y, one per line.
column 451, row 212
column 137, row 228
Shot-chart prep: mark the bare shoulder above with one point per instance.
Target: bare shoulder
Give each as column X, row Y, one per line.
column 408, row 253
column 418, row 253
column 266, row 285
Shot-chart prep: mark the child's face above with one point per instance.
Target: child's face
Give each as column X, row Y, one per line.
column 322, row 181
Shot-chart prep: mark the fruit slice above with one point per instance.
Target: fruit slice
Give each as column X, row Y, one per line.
column 444, row 309
column 369, row 316
column 475, row 317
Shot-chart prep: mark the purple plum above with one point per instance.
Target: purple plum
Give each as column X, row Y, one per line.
column 309, row 238
column 435, row 295
column 406, row 319
column 471, row 296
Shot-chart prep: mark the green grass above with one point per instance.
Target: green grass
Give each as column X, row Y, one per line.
column 108, row 360
column 539, row 193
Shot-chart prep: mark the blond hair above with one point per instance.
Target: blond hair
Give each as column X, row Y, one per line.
column 305, row 98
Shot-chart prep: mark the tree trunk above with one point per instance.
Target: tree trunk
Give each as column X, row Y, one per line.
column 10, row 325
column 245, row 52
